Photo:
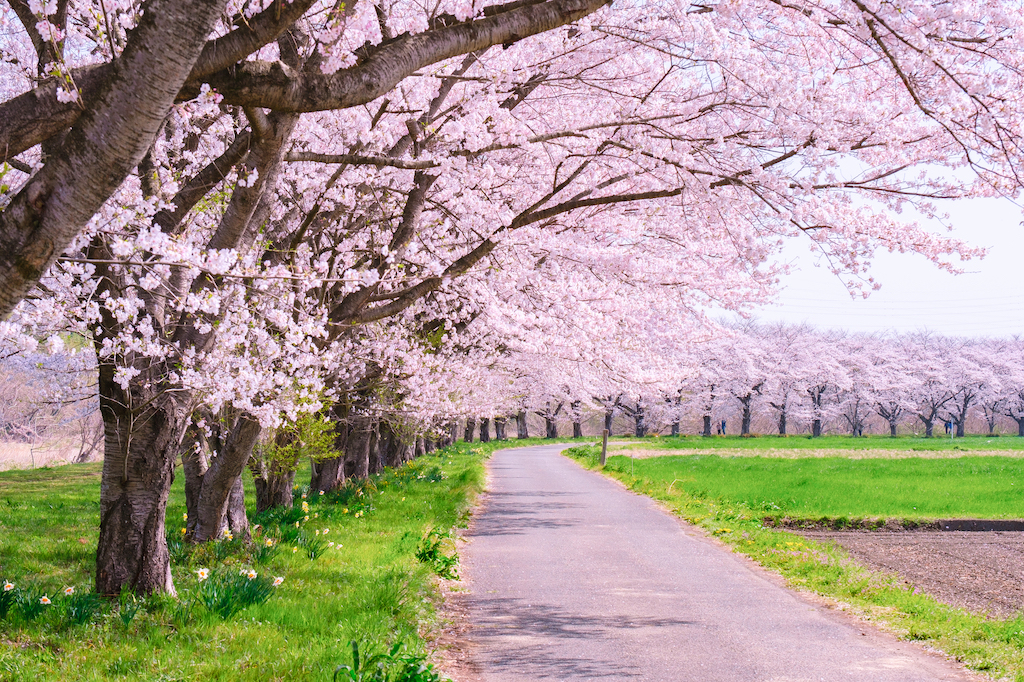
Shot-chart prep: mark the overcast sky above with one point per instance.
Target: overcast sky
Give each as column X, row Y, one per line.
column 986, row 300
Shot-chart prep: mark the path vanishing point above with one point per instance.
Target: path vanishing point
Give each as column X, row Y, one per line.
column 571, row 577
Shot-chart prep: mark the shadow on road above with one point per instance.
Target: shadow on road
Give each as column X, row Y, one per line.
column 540, row 630
column 514, row 514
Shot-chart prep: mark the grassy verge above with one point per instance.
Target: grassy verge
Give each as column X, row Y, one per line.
column 992, row 646
column 358, row 565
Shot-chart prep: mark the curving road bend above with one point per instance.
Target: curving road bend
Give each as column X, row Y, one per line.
column 572, row 577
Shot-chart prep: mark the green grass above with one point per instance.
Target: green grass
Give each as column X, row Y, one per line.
column 803, row 442
column 811, row 488
column 371, row 589
column 728, row 510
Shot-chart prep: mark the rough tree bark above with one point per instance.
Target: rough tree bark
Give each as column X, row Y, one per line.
column 641, row 424
column 1020, row 425
column 272, row 478
column 470, row 429
column 485, row 429
column 222, row 478
column 745, row 414
column 377, row 450
column 499, row 428
column 522, row 430
column 707, row 426
column 357, row 451
column 140, row 452
column 328, row 474
column 273, row 483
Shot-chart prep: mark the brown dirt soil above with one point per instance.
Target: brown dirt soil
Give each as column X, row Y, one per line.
column 451, row 645
column 982, row 572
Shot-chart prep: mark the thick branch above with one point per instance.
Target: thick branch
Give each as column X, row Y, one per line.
column 361, row 160
column 274, row 86
column 409, row 296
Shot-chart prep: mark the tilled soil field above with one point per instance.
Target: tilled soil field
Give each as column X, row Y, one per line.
column 979, row 571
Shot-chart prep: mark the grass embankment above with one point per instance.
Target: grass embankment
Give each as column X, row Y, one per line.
column 349, row 564
column 728, row 498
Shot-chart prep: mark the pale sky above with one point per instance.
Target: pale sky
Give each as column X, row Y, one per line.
column 986, row 300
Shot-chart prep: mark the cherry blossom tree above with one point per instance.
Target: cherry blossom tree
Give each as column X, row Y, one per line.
column 259, row 207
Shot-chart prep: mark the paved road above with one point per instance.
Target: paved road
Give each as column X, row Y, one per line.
column 574, row 578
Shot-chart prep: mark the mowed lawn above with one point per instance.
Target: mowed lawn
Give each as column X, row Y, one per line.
column 907, row 487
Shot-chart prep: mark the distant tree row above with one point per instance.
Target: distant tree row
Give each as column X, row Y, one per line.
column 788, row 379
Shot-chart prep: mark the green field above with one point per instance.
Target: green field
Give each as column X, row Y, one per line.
column 369, row 587
column 909, row 488
column 848, row 443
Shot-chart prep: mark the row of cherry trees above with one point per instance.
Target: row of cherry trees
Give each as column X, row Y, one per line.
column 795, row 379
column 398, row 214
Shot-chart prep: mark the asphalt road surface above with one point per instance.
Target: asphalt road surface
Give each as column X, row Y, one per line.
column 572, row 577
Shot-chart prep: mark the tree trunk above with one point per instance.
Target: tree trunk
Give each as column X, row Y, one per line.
column 140, row 452
column 221, row 478
column 576, row 415
column 329, row 474
column 608, row 414
column 782, row 423
column 273, row 479
column 816, row 428
column 382, row 445
column 485, row 429
column 357, row 452
column 960, row 428
column 421, row 448
column 928, row 427
column 641, row 426
column 707, row 426
column 395, row 451
column 237, row 519
column 194, row 463
column 274, row 488
column 499, row 428
column 1020, row 426
column 745, row 419
column 675, row 428
column 470, row 428
column 892, row 428
column 522, row 431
